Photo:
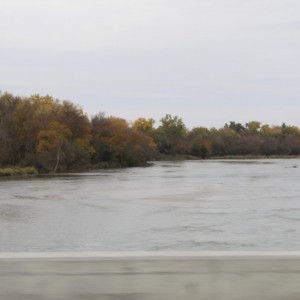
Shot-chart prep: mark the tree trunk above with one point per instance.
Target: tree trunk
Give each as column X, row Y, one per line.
column 57, row 158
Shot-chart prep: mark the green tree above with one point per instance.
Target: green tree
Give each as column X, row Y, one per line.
column 237, row 127
column 253, row 127
column 288, row 129
column 170, row 134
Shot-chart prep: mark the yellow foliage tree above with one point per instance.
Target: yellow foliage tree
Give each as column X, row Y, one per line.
column 53, row 139
column 144, row 125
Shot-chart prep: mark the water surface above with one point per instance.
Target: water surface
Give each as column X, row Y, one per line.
column 186, row 205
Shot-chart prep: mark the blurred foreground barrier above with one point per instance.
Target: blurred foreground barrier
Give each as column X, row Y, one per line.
column 159, row 275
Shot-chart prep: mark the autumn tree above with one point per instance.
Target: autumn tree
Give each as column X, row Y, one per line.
column 9, row 144
column 51, row 141
column 170, row 135
column 144, row 125
column 225, row 141
column 78, row 148
column 116, row 143
column 289, row 130
column 267, row 130
column 40, row 122
column 55, row 135
column 199, row 141
column 253, row 127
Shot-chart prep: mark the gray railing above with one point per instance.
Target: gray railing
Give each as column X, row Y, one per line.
column 150, row 275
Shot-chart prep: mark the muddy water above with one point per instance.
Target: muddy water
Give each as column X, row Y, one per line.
column 188, row 205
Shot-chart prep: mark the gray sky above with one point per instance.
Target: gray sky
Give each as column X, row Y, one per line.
column 207, row 61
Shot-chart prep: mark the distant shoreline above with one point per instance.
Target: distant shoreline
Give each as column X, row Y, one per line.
column 58, row 136
column 190, row 157
column 24, row 171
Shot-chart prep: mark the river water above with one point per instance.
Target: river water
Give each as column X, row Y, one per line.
column 186, row 205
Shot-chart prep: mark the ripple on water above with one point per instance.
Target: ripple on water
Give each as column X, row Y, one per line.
column 192, row 205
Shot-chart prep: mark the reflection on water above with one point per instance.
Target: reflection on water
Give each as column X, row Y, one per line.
column 187, row 205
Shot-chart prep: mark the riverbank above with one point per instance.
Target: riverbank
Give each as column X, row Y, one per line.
column 178, row 157
column 255, row 157
column 14, row 171
column 165, row 157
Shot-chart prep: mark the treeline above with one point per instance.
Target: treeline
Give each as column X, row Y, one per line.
column 54, row 135
column 234, row 139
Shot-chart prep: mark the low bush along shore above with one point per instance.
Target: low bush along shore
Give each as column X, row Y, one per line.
column 11, row 171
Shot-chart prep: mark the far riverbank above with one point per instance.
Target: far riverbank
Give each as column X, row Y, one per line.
column 20, row 171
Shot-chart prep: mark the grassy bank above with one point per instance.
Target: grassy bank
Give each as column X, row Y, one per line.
column 13, row 171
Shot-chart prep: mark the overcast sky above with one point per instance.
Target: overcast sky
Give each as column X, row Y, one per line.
column 207, row 61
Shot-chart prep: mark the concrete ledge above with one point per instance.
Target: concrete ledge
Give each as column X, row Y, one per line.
column 150, row 254
column 150, row 275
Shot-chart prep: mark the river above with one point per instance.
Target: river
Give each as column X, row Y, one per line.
column 185, row 205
